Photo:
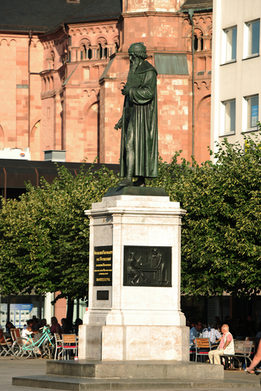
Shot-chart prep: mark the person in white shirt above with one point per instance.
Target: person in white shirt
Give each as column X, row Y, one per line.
column 27, row 332
column 211, row 333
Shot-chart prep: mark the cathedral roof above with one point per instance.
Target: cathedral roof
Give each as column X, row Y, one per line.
column 46, row 15
column 197, row 4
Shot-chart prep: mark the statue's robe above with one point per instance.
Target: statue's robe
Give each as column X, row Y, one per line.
column 140, row 112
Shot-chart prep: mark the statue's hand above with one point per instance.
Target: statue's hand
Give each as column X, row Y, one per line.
column 119, row 124
column 125, row 89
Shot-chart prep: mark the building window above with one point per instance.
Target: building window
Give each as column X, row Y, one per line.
column 83, row 52
column 252, row 38
column 171, row 64
column 228, row 120
column 230, row 44
column 250, row 112
column 198, row 41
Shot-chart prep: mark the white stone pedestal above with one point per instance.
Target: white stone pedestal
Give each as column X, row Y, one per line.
column 134, row 322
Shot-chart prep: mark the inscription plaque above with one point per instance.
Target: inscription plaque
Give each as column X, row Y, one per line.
column 103, row 266
column 147, row 266
column 102, row 295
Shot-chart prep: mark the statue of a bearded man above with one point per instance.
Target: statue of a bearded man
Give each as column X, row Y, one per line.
column 139, row 123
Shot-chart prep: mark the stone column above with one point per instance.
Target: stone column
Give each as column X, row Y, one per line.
column 134, row 281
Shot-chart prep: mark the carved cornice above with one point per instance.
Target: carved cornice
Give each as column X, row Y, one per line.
column 86, row 30
column 201, row 22
column 203, row 84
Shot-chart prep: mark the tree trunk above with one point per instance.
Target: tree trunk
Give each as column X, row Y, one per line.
column 69, row 315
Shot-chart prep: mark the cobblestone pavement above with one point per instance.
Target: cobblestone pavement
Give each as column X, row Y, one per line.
column 10, row 367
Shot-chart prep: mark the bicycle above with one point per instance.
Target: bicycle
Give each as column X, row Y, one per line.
column 44, row 346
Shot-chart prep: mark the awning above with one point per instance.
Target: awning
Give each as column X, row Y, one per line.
column 16, row 173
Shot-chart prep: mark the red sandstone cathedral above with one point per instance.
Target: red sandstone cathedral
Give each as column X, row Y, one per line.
column 63, row 63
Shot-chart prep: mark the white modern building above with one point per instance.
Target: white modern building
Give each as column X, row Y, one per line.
column 236, row 70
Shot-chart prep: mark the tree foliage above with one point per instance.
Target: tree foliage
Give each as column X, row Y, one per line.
column 45, row 236
column 221, row 249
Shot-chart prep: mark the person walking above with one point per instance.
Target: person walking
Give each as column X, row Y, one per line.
column 256, row 360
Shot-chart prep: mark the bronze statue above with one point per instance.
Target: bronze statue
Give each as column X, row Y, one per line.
column 139, row 122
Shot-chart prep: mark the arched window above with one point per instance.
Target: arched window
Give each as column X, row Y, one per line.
column 83, row 52
column 100, row 51
column 85, row 49
column 201, row 43
column 89, row 53
column 198, row 41
column 195, row 43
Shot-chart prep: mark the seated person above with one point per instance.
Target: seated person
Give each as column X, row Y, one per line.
column 43, row 323
column 55, row 326
column 78, row 322
column 212, row 334
column 27, row 332
column 66, row 329
column 28, row 336
column 226, row 346
column 9, row 325
column 194, row 333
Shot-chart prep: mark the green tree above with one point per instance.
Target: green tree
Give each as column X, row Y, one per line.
column 221, row 249
column 44, row 243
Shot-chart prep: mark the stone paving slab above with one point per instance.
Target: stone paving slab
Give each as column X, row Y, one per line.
column 77, row 384
column 10, row 367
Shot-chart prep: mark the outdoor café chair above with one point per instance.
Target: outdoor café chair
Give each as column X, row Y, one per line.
column 58, row 344
column 202, row 347
column 18, row 343
column 6, row 346
column 69, row 345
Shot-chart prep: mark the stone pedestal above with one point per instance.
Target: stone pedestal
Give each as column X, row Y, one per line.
column 134, row 281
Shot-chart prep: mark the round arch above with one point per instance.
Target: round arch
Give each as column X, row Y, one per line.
column 91, row 147
column 202, row 129
column 35, row 140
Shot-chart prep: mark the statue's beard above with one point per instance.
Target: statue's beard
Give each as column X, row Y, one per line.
column 134, row 64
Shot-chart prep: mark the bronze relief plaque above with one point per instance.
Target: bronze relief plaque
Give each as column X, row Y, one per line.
column 147, row 266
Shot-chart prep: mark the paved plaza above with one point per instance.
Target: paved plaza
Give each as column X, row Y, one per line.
column 10, row 367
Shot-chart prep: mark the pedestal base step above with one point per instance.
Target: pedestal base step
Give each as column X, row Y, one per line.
column 178, row 370
column 83, row 384
column 174, row 370
column 132, row 375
